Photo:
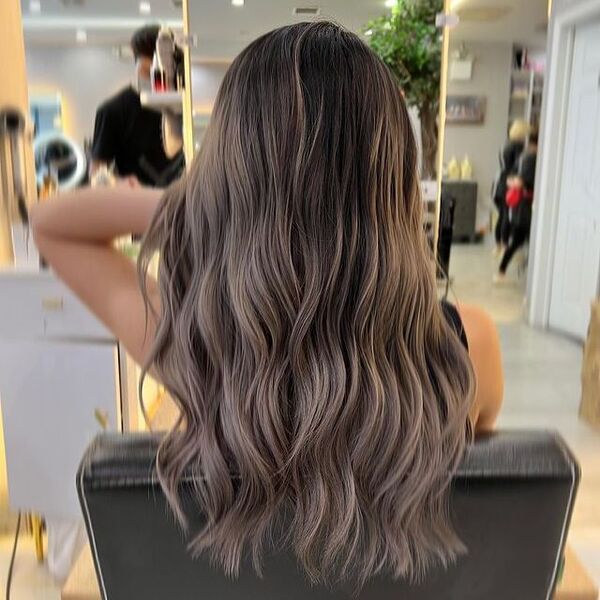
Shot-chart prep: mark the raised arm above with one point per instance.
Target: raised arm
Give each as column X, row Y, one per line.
column 74, row 234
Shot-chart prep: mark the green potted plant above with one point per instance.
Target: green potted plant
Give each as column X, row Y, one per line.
column 408, row 42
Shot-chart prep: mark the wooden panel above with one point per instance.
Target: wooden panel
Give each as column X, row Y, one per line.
column 575, row 584
column 82, row 583
column 13, row 93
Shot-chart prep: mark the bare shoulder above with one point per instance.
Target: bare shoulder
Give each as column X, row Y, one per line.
column 486, row 356
column 479, row 326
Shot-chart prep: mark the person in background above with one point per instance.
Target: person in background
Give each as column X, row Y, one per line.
column 129, row 136
column 509, row 163
column 522, row 185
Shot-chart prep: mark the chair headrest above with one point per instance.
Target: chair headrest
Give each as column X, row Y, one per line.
column 129, row 460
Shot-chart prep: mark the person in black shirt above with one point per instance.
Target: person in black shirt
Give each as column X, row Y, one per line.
column 128, row 135
column 520, row 216
column 509, row 161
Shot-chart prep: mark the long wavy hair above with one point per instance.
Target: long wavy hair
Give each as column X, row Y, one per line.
column 300, row 332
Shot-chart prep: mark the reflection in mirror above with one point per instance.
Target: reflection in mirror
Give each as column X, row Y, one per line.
column 91, row 102
column 79, row 59
column 46, row 112
column 53, row 150
column 495, row 87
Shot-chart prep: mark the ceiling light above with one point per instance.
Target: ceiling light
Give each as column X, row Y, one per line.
column 81, row 36
column 35, row 6
column 145, row 8
column 237, row 2
column 391, row 3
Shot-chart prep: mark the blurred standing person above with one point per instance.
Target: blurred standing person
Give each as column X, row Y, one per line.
column 522, row 186
column 509, row 164
column 129, row 135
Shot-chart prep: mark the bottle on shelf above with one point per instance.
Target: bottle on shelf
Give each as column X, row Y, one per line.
column 453, row 169
column 466, row 169
column 163, row 64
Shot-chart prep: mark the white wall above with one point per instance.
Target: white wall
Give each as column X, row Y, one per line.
column 206, row 80
column 84, row 76
column 491, row 78
column 559, row 6
column 13, row 93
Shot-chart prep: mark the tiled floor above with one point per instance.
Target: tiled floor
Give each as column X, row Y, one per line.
column 542, row 390
column 471, row 270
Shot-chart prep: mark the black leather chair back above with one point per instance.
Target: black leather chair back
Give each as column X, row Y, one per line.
column 511, row 504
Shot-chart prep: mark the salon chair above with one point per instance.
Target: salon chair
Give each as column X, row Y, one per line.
column 511, row 503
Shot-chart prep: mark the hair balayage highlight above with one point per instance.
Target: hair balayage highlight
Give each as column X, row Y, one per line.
column 300, row 332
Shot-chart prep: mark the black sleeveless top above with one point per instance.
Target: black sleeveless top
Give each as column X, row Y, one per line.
column 455, row 321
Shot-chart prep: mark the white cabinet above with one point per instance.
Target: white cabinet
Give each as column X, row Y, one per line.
column 58, row 379
column 35, row 304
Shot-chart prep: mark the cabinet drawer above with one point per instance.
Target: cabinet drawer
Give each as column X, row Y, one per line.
column 36, row 304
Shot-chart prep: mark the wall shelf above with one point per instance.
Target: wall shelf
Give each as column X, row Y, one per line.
column 526, row 93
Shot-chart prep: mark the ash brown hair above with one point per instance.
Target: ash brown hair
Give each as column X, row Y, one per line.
column 300, row 332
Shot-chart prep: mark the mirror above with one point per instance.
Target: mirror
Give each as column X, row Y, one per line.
column 78, row 57
column 495, row 86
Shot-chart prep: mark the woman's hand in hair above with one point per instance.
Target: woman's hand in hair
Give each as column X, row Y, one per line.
column 74, row 234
